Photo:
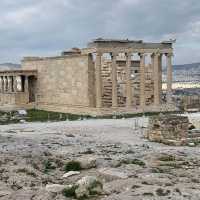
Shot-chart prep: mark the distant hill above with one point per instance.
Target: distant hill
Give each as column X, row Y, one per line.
column 194, row 66
column 9, row 66
column 185, row 73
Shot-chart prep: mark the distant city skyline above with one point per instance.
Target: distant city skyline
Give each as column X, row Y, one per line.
column 45, row 28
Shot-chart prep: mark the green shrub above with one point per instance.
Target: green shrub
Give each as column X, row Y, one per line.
column 70, row 191
column 48, row 166
column 72, row 166
column 162, row 192
column 167, row 158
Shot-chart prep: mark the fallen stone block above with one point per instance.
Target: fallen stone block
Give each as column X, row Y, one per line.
column 87, row 162
column 70, row 173
column 55, row 188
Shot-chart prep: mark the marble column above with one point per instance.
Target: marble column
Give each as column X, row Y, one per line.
column 26, row 84
column 5, row 83
column 1, row 84
column 160, row 76
column 98, row 79
column 114, row 80
column 128, row 80
column 169, row 77
column 156, row 58
column 19, row 83
column 142, row 80
column 9, row 84
column 2, row 78
column 15, row 83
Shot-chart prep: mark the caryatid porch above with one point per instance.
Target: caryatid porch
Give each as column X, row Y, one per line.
column 128, row 48
column 16, row 87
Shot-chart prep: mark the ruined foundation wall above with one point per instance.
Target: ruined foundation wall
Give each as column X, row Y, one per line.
column 168, row 129
column 62, row 81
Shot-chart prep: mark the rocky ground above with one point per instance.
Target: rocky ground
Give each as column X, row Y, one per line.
column 35, row 156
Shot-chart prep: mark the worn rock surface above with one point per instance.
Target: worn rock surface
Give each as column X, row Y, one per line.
column 33, row 158
column 55, row 188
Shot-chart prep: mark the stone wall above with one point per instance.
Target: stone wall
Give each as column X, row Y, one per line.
column 62, row 81
column 168, row 129
column 12, row 99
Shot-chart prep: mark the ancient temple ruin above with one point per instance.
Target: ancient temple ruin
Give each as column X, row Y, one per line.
column 104, row 78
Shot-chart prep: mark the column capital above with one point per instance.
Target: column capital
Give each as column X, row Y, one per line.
column 157, row 53
column 169, row 54
column 128, row 54
column 99, row 53
column 142, row 54
column 113, row 54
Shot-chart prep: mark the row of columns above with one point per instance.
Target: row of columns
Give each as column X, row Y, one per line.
column 156, row 61
column 9, row 84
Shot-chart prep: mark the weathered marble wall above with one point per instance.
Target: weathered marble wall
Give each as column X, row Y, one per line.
column 61, row 81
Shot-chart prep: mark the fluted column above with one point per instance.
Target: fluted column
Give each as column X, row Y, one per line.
column 26, row 84
column 128, row 80
column 9, row 84
column 98, row 79
column 160, row 76
column 142, row 80
column 14, row 83
column 5, row 83
column 1, row 84
column 169, row 78
column 19, row 83
column 114, row 80
column 156, row 57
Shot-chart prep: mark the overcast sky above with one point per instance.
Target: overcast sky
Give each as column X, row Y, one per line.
column 46, row 27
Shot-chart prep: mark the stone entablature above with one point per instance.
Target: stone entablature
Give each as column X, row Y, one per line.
column 129, row 46
column 18, row 72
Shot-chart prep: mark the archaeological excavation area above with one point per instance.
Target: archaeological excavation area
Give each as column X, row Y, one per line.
column 107, row 77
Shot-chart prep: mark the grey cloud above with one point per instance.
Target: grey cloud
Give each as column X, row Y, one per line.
column 47, row 27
